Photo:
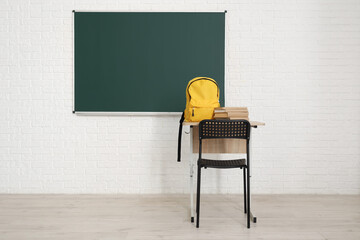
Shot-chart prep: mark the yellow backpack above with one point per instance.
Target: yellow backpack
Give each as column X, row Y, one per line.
column 202, row 96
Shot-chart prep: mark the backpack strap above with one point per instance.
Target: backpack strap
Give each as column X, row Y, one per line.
column 179, row 136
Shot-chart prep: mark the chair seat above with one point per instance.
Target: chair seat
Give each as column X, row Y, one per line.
column 235, row 163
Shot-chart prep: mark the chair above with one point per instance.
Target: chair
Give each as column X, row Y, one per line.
column 238, row 129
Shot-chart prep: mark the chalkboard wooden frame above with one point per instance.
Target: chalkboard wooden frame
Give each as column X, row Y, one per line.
column 137, row 113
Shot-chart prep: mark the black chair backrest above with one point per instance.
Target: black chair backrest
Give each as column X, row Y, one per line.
column 224, row 129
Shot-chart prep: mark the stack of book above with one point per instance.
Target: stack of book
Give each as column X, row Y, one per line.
column 231, row 113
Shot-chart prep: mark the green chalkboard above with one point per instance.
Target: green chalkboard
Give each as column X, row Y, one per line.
column 142, row 61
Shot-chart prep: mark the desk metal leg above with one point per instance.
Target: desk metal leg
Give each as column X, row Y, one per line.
column 191, row 163
column 252, row 217
column 192, row 193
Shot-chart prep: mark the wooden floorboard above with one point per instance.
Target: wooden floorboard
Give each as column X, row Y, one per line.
column 146, row 217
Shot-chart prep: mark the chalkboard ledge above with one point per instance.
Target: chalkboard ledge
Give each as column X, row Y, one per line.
column 80, row 113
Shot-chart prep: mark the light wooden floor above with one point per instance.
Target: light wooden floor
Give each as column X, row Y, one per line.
column 166, row 217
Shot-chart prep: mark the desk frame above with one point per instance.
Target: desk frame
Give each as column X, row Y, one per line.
column 192, row 161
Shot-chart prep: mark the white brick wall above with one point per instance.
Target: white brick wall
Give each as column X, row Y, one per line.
column 295, row 64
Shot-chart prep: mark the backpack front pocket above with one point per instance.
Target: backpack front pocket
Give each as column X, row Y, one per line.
column 198, row 114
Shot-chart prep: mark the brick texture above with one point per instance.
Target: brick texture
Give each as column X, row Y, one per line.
column 295, row 64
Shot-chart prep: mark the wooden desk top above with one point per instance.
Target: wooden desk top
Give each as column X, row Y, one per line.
column 253, row 123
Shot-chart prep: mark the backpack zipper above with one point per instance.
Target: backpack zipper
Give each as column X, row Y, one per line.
column 193, row 111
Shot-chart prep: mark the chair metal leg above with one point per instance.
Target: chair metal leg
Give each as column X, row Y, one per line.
column 198, row 197
column 244, row 173
column 248, row 196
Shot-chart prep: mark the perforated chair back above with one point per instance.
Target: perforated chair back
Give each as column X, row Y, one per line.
column 224, row 129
